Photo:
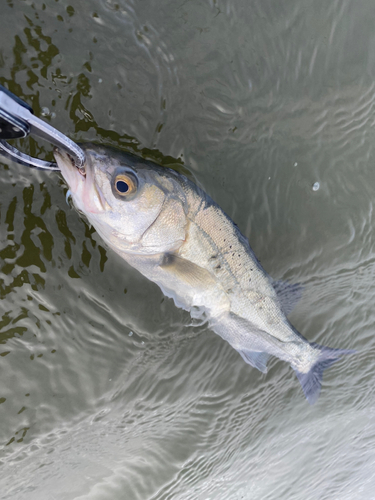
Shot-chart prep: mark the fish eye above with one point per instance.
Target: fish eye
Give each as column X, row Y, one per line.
column 124, row 185
column 121, row 186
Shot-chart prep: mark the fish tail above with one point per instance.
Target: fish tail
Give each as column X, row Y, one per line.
column 311, row 381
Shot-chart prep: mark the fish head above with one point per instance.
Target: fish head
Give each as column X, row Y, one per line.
column 135, row 205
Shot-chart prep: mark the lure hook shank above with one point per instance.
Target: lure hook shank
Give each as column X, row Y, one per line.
column 17, row 120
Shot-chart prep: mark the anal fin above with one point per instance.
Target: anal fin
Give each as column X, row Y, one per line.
column 257, row 359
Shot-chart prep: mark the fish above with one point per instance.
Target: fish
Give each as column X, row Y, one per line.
column 165, row 226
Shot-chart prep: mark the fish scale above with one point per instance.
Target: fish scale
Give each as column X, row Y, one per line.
column 169, row 229
column 216, row 239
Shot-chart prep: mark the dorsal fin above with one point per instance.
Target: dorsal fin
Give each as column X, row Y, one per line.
column 288, row 295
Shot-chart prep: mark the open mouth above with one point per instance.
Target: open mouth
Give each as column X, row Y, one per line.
column 80, row 169
column 87, row 196
column 62, row 153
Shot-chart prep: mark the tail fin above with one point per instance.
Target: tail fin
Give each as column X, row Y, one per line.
column 311, row 381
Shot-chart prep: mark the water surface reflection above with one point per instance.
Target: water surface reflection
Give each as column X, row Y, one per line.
column 107, row 391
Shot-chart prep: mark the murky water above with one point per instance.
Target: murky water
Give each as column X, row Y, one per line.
column 106, row 389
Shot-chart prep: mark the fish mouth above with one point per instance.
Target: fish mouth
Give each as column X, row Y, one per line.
column 65, row 156
column 74, row 176
column 86, row 195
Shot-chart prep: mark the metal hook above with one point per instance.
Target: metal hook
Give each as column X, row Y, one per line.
column 17, row 120
column 12, row 153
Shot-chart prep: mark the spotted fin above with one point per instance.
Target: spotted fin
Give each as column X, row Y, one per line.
column 288, row 295
column 256, row 359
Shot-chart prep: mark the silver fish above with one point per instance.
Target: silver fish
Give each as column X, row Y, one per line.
column 165, row 226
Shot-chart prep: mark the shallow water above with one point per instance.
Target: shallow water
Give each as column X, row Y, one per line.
column 107, row 389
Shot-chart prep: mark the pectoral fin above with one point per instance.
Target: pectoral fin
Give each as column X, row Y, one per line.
column 187, row 272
